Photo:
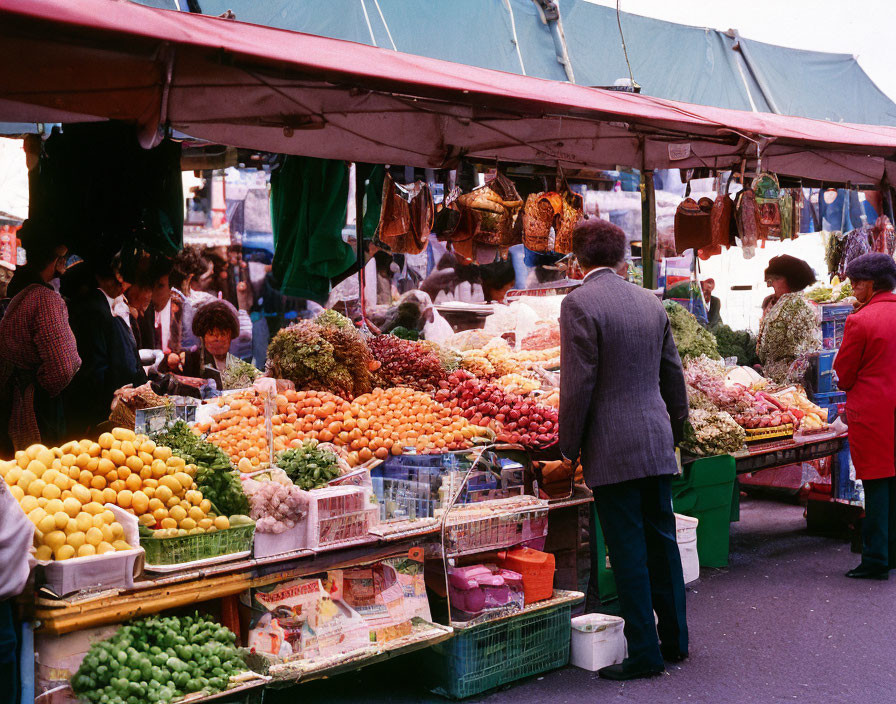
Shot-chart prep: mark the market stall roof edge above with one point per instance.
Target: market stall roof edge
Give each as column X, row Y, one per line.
column 265, row 88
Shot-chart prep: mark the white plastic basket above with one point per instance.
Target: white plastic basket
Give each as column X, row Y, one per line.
column 686, row 535
column 110, row 571
column 597, row 641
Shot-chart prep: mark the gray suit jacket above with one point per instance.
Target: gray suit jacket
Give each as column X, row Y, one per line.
column 623, row 400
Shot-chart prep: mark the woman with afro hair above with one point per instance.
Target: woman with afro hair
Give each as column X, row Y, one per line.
column 216, row 325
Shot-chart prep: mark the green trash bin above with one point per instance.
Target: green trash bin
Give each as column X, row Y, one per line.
column 705, row 491
column 606, row 582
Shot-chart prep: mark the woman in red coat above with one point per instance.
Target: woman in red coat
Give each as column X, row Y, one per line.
column 866, row 370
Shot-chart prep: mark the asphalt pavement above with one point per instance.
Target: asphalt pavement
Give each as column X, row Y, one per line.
column 780, row 624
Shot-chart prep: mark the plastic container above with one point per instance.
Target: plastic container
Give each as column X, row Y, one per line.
column 337, row 515
column 110, row 571
column 832, row 333
column 199, row 546
column 597, row 641
column 503, row 524
column 820, row 378
column 268, row 544
column 686, row 535
column 842, row 485
column 834, row 403
column 704, row 491
column 482, row 657
column 537, row 570
column 835, row 311
column 479, row 587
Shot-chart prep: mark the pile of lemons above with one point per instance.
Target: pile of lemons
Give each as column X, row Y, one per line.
column 63, row 491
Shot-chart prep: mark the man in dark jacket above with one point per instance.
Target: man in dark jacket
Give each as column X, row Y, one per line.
column 623, row 404
column 107, row 347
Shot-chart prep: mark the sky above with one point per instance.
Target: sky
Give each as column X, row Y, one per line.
column 864, row 28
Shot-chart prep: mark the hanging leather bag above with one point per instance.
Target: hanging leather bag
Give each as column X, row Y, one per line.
column 406, row 217
column 692, row 229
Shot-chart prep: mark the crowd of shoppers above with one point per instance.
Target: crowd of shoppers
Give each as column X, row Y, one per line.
column 74, row 333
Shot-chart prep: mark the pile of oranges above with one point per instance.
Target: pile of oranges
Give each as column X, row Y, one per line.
column 400, row 418
column 374, row 425
column 239, row 430
column 306, row 415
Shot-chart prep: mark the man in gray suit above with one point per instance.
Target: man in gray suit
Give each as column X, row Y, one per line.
column 623, row 404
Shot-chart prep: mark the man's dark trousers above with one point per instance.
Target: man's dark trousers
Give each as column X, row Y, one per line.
column 639, row 526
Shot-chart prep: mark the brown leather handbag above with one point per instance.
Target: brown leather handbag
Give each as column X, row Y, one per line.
column 693, row 226
column 539, row 215
column 406, row 218
column 720, row 218
column 572, row 213
column 497, row 204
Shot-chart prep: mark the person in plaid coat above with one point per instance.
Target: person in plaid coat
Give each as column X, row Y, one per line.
column 38, row 353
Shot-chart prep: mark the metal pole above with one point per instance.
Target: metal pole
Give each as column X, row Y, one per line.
column 648, row 229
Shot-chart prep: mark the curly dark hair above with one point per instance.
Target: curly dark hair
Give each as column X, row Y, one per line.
column 877, row 267
column 216, row 315
column 189, row 261
column 597, row 242
column 796, row 272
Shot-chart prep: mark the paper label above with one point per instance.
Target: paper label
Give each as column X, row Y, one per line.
column 678, row 152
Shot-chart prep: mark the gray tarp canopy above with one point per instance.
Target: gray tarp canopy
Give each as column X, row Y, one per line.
column 674, row 61
column 252, row 86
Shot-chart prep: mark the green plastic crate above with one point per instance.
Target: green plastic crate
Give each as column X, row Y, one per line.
column 705, row 491
column 199, row 546
column 480, row 658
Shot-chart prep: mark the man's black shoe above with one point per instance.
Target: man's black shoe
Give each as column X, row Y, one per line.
column 866, row 572
column 621, row 673
column 673, row 655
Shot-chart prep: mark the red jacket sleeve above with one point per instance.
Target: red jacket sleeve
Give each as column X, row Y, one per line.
column 848, row 361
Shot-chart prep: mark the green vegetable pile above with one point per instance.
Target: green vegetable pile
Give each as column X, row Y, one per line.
column 330, row 318
column 691, row 338
column 309, row 466
column 740, row 344
column 405, row 333
column 829, row 294
column 328, row 354
column 820, row 294
column 239, row 375
column 708, row 433
column 215, row 476
column 157, row 660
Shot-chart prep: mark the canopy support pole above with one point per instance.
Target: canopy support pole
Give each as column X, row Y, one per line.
column 648, row 229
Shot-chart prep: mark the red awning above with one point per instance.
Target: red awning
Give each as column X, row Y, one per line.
column 264, row 88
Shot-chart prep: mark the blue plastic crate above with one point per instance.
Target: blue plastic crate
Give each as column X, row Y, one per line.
column 835, row 311
column 820, row 378
column 832, row 333
column 842, row 486
column 483, row 657
column 835, row 403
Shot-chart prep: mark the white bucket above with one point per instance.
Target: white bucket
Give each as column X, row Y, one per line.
column 686, row 534
column 597, row 641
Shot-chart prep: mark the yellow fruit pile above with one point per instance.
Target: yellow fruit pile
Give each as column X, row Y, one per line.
column 71, row 483
column 70, row 520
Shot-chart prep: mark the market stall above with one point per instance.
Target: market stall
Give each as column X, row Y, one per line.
column 373, row 495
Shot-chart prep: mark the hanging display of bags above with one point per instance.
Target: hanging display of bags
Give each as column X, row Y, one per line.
column 497, row 204
column 693, row 227
column 406, row 218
